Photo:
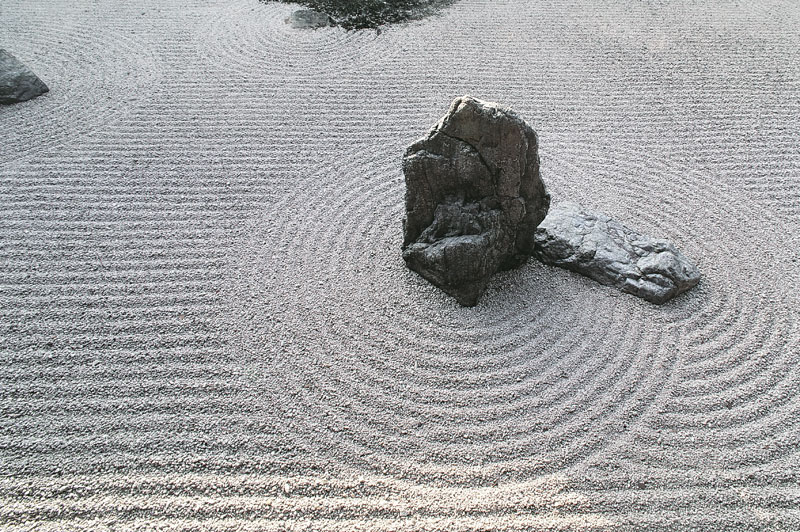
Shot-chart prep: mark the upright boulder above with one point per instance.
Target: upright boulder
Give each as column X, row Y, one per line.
column 17, row 82
column 473, row 197
column 594, row 245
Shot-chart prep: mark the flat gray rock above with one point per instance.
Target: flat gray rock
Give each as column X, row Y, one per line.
column 473, row 197
column 594, row 245
column 309, row 19
column 17, row 82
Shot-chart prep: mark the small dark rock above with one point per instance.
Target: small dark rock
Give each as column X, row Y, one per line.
column 594, row 245
column 17, row 82
column 473, row 197
column 309, row 19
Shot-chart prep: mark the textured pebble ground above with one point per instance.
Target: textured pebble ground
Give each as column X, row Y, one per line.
column 206, row 323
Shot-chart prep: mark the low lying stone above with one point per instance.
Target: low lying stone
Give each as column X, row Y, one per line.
column 594, row 245
column 17, row 82
column 309, row 19
column 473, row 197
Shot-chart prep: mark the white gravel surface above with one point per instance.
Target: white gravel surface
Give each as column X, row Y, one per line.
column 206, row 322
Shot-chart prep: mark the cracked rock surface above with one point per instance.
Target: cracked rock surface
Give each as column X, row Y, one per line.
column 473, row 197
column 603, row 249
column 17, row 82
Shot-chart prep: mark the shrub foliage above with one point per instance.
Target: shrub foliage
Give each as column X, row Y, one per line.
column 360, row 14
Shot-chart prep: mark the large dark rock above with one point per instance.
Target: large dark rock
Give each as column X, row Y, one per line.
column 17, row 82
column 605, row 250
column 473, row 197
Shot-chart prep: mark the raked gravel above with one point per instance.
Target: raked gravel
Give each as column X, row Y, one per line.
column 206, row 322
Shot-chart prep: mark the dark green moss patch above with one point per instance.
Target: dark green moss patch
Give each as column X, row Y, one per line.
column 360, row 14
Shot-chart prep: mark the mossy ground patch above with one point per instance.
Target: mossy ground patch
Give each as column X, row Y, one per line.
column 361, row 14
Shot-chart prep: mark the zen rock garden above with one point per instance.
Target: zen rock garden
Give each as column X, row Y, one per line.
column 476, row 205
column 17, row 82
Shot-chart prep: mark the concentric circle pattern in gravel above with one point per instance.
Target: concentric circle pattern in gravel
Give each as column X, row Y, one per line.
column 206, row 323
